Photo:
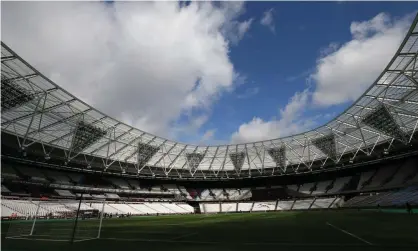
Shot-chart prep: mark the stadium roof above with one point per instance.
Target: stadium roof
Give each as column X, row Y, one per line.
column 37, row 110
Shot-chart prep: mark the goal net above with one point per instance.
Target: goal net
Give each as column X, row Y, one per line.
column 59, row 220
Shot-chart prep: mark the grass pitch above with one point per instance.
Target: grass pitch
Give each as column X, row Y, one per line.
column 324, row 230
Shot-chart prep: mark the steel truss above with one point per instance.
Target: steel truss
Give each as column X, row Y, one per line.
column 39, row 112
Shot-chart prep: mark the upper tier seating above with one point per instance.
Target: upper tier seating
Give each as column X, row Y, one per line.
column 64, row 193
column 306, row 188
column 9, row 172
column 33, row 173
column 120, row 183
column 339, row 184
column 112, row 196
column 59, row 178
column 364, row 178
column 382, row 175
column 321, row 187
column 405, row 173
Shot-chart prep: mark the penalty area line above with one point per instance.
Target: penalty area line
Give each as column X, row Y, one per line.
column 351, row 234
column 33, row 239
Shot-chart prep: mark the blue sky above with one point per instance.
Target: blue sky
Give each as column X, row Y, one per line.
column 211, row 73
column 278, row 64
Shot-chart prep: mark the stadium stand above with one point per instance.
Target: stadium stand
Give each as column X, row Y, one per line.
column 306, row 188
column 365, row 179
column 64, row 193
column 405, row 173
column 302, row 204
column 381, row 177
column 321, row 187
column 8, row 171
column 339, row 184
column 264, row 206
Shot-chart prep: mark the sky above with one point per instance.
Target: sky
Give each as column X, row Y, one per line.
column 211, row 72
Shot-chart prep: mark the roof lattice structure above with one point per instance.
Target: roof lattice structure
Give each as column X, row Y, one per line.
column 35, row 109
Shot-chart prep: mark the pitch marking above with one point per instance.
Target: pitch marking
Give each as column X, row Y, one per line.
column 351, row 234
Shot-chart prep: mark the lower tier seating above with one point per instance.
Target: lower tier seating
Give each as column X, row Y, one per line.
column 26, row 208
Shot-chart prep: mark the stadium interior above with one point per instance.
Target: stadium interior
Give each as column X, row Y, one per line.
column 61, row 157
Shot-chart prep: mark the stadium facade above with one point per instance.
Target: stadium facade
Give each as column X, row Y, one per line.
column 55, row 145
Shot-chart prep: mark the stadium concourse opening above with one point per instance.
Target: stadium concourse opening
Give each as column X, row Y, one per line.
column 76, row 179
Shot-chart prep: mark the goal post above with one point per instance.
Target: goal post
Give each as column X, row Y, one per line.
column 56, row 220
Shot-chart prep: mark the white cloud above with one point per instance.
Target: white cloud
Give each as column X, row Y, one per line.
column 249, row 93
column 208, row 135
column 268, row 20
column 145, row 63
column 290, row 122
column 344, row 72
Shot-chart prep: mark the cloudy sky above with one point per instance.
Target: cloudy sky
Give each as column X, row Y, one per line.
column 210, row 73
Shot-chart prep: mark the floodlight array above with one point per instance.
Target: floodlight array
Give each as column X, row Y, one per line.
column 85, row 135
column 278, row 154
column 381, row 120
column 237, row 160
column 13, row 95
column 327, row 145
column 194, row 159
column 145, row 153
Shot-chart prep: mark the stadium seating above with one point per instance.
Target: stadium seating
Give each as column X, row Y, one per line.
column 120, row 183
column 364, row 179
column 229, row 207
column 306, row 188
column 302, row 204
column 27, row 208
column 293, row 187
column 7, row 212
column 321, row 187
column 33, row 173
column 339, row 184
column 59, row 178
column 4, row 189
column 390, row 198
column 405, row 173
column 210, row 207
column 322, row 203
column 64, row 193
column 245, row 206
column 382, row 175
column 284, row 205
column 264, row 206
column 9, row 172
column 112, row 196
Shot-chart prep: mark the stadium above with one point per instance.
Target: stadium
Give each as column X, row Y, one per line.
column 75, row 178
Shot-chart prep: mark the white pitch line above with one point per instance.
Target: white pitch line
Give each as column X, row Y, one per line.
column 34, row 239
column 351, row 234
column 85, row 240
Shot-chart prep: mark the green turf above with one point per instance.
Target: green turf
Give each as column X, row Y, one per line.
column 255, row 231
